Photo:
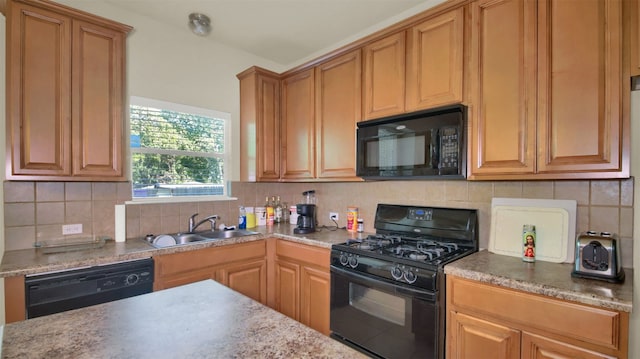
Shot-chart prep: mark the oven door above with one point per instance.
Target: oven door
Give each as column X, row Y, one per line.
column 385, row 319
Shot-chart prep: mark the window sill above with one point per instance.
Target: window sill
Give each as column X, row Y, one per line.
column 180, row 199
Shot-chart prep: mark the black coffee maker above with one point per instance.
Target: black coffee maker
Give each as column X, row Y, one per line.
column 306, row 213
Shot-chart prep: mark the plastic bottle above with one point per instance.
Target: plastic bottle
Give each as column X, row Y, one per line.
column 360, row 225
column 251, row 217
column 293, row 215
column 261, row 216
column 242, row 218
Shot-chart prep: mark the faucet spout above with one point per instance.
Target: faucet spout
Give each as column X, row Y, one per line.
column 193, row 225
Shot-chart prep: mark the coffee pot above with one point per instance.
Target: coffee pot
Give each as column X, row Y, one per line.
column 306, row 213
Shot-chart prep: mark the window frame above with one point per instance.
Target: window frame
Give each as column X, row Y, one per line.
column 176, row 107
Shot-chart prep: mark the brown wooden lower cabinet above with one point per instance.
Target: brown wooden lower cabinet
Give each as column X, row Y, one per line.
column 301, row 282
column 14, row 299
column 289, row 277
column 242, row 267
column 489, row 321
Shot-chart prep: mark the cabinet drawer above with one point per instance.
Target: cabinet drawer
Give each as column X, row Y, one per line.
column 584, row 323
column 200, row 258
column 304, row 253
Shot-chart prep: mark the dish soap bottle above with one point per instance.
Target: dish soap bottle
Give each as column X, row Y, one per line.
column 242, row 218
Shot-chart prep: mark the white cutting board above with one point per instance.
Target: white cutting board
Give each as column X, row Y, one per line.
column 555, row 222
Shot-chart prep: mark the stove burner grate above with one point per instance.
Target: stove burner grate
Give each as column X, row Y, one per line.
column 420, row 249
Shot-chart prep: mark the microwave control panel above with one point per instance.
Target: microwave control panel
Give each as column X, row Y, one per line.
column 449, row 147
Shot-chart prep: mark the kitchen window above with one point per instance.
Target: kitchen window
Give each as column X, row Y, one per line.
column 177, row 151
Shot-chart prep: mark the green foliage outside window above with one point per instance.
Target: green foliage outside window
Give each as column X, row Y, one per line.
column 176, row 150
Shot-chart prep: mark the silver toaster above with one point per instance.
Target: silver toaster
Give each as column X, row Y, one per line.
column 598, row 257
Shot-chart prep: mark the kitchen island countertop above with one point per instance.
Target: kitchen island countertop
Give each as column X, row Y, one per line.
column 546, row 278
column 199, row 320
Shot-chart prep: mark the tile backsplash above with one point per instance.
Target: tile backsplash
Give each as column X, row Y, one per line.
column 37, row 210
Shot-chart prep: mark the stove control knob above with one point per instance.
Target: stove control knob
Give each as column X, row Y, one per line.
column 410, row 277
column 353, row 261
column 131, row 279
column 344, row 260
column 396, row 273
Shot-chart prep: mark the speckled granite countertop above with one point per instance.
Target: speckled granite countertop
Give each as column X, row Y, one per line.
column 198, row 320
column 550, row 279
column 33, row 261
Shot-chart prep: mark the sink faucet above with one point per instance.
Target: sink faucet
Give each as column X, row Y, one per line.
column 193, row 225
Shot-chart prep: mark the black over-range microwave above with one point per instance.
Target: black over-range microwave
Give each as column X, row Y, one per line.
column 427, row 144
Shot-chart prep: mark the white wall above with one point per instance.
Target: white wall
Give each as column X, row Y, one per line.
column 171, row 64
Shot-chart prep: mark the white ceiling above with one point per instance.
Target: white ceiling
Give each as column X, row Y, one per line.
column 283, row 31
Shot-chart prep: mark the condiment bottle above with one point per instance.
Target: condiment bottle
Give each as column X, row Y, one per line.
column 352, row 217
column 270, row 212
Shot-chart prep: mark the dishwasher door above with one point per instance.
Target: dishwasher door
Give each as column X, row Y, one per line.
column 61, row 291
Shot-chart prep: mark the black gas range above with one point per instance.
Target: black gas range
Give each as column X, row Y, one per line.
column 387, row 295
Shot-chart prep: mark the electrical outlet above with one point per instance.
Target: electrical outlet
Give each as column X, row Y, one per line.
column 334, row 216
column 72, row 229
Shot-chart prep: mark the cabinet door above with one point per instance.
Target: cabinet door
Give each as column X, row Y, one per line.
column 503, row 88
column 470, row 337
column 259, row 125
column 633, row 8
column 287, row 288
column 384, row 76
column 435, row 61
column 97, row 90
column 229, row 264
column 338, row 109
column 315, row 298
column 14, row 299
column 579, row 63
column 248, row 278
column 298, row 126
column 39, row 88
column 538, row 347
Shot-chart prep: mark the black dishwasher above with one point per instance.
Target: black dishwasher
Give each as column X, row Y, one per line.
column 56, row 292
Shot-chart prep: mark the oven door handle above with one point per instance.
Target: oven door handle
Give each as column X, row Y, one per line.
column 383, row 284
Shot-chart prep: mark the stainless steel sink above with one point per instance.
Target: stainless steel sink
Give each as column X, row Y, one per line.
column 227, row 234
column 176, row 239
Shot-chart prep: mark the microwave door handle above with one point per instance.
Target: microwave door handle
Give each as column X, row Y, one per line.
column 377, row 283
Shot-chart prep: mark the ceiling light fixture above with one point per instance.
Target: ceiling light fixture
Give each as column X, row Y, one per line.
column 200, row 24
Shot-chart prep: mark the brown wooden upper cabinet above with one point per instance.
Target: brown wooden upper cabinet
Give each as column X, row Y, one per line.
column 65, row 84
column 298, row 126
column 320, row 109
column 633, row 10
column 415, row 69
column 259, row 125
column 547, row 95
column 338, row 109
